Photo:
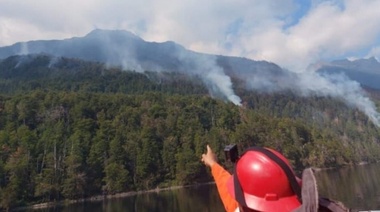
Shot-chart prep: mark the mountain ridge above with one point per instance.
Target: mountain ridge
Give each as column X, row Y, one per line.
column 125, row 49
column 95, row 42
column 364, row 71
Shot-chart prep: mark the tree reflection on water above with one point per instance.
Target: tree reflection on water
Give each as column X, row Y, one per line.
column 202, row 198
column 358, row 187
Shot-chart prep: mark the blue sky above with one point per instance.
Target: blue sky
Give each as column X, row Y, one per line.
column 290, row 33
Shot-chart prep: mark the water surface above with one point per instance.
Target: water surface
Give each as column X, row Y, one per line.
column 358, row 187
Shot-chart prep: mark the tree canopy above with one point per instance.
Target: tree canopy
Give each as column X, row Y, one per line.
column 81, row 129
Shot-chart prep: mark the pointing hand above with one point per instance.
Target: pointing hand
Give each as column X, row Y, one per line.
column 209, row 158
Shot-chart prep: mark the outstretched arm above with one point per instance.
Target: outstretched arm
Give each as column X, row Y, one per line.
column 221, row 177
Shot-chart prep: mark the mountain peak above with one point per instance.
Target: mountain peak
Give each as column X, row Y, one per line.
column 103, row 33
column 364, row 70
column 371, row 60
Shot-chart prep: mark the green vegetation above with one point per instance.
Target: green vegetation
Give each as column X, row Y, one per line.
column 79, row 129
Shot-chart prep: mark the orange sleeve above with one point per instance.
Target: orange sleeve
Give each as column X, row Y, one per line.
column 221, row 177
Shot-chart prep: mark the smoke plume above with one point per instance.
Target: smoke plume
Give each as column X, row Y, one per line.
column 131, row 52
column 218, row 83
column 339, row 86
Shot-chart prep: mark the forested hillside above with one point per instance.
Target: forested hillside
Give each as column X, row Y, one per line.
column 75, row 129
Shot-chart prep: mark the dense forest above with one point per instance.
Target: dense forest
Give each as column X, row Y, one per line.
column 75, row 129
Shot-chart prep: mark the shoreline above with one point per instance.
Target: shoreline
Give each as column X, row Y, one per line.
column 97, row 198
column 104, row 197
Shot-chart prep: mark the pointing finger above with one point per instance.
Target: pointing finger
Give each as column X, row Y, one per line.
column 208, row 149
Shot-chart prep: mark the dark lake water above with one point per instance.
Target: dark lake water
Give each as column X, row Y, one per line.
column 358, row 187
column 197, row 198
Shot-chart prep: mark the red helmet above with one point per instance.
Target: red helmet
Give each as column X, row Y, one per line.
column 264, row 184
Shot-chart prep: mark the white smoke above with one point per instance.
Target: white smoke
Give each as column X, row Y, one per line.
column 222, row 83
column 213, row 76
column 24, row 49
column 219, row 83
column 53, row 61
column 312, row 83
column 131, row 64
column 204, row 66
column 339, row 86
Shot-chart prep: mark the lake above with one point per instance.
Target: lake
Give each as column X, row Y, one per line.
column 358, row 187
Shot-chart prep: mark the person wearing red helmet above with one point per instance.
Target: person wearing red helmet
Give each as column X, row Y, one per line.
column 263, row 180
column 260, row 182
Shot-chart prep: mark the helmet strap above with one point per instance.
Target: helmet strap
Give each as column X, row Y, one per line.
column 239, row 195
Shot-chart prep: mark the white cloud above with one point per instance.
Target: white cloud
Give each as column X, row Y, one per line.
column 261, row 30
column 374, row 52
column 13, row 30
column 187, row 21
column 327, row 30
